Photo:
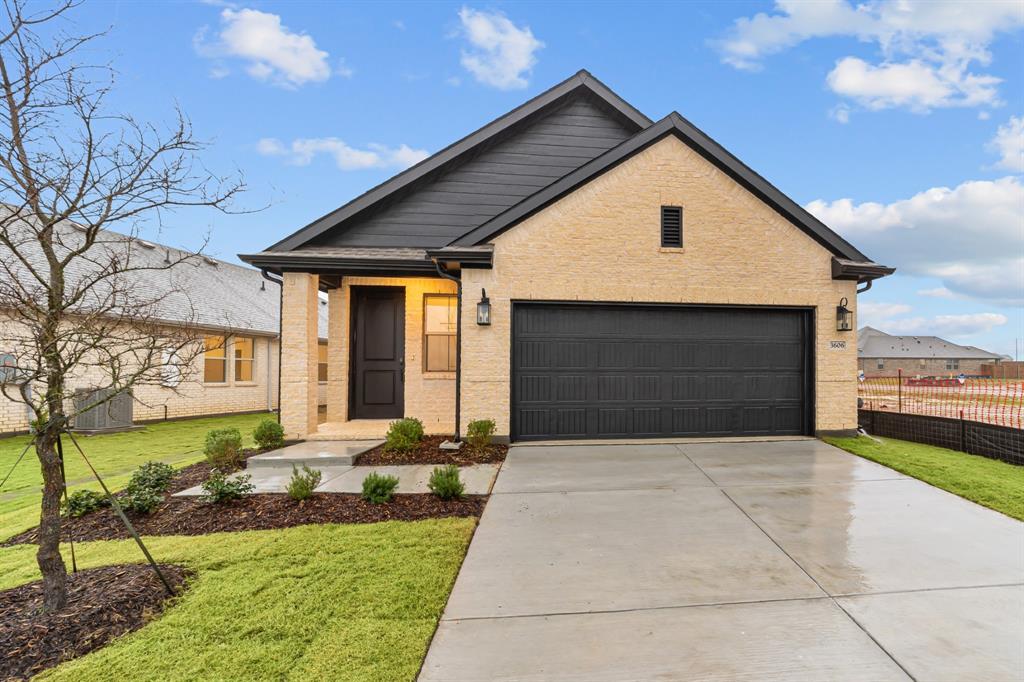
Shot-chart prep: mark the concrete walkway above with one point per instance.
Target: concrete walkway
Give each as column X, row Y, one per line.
column 725, row 561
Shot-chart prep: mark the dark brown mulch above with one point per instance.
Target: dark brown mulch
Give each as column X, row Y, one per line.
column 103, row 603
column 192, row 516
column 429, row 452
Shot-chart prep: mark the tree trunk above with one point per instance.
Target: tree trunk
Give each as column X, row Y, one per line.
column 51, row 564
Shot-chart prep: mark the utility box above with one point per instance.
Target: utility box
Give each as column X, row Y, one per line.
column 112, row 415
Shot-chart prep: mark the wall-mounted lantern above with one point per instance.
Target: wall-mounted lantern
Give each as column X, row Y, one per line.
column 483, row 309
column 844, row 317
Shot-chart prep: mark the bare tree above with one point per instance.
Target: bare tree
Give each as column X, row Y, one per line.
column 71, row 173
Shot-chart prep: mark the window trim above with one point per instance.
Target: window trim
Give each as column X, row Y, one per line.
column 223, row 359
column 236, row 360
column 322, row 367
column 426, row 335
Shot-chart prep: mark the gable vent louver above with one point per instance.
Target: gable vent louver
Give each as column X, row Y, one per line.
column 672, row 226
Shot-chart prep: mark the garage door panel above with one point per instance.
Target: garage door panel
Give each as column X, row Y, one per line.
column 592, row 370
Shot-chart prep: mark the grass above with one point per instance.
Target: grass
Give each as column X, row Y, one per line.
column 115, row 456
column 352, row 602
column 991, row 483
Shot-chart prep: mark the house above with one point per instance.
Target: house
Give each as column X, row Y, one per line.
column 573, row 270
column 237, row 311
column 884, row 355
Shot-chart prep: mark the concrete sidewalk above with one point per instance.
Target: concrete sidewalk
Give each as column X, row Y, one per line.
column 722, row 561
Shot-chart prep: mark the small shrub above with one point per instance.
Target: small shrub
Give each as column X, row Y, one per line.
column 219, row 488
column 155, row 476
column 81, row 502
column 479, row 433
column 378, row 488
column 268, row 434
column 224, row 447
column 141, row 500
column 303, row 483
column 444, row 482
column 404, row 434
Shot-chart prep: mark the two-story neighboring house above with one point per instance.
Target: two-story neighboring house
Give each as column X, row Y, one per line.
column 884, row 355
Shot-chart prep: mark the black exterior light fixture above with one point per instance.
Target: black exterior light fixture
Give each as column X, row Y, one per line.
column 844, row 317
column 483, row 309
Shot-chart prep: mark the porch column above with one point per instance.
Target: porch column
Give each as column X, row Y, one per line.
column 299, row 353
column 337, row 349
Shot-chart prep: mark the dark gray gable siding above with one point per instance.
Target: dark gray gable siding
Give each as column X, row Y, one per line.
column 439, row 209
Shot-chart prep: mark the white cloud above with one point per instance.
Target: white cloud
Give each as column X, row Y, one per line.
column 969, row 237
column 1009, row 144
column 966, row 325
column 501, row 54
column 937, row 292
column 302, row 151
column 270, row 50
column 889, row 318
column 840, row 113
column 927, row 48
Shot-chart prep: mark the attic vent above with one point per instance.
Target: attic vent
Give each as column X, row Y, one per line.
column 210, row 261
column 148, row 245
column 672, row 226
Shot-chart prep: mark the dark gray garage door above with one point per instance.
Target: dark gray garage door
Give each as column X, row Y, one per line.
column 628, row 371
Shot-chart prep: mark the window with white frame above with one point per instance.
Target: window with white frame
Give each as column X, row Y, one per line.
column 952, row 364
column 215, row 360
column 321, row 364
column 245, row 354
column 439, row 322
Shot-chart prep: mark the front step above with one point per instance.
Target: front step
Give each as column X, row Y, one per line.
column 314, row 454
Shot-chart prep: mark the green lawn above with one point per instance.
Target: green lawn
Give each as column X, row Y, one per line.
column 988, row 482
column 352, row 602
column 114, row 455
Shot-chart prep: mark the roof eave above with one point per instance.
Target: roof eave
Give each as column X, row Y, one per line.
column 292, row 262
column 580, row 79
column 673, row 124
column 861, row 271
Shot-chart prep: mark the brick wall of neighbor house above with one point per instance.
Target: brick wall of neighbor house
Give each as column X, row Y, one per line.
column 429, row 396
column 1007, row 369
column 191, row 399
column 912, row 367
column 602, row 243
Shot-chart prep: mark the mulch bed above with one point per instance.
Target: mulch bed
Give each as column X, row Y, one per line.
column 103, row 603
column 429, row 452
column 192, row 516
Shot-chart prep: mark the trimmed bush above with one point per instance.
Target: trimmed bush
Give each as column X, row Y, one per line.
column 444, row 482
column 155, row 476
column 224, row 447
column 378, row 488
column 141, row 500
column 479, row 433
column 268, row 434
column 303, row 483
column 404, row 434
column 219, row 488
column 81, row 502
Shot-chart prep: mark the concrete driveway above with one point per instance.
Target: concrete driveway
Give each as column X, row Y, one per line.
column 786, row 560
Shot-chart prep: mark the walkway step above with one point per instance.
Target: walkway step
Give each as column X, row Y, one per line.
column 315, row 455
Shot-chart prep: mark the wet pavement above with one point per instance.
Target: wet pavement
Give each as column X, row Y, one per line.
column 720, row 561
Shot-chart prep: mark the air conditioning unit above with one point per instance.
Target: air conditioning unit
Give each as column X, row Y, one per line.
column 112, row 415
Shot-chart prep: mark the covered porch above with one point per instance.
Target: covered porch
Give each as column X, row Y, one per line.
column 392, row 341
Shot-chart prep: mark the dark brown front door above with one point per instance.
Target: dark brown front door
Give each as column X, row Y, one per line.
column 378, row 353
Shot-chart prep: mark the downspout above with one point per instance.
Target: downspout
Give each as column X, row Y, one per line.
column 458, row 344
column 867, row 285
column 280, row 329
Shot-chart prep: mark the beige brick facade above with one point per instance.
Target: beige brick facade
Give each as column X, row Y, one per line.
column 602, row 243
column 299, row 353
column 190, row 398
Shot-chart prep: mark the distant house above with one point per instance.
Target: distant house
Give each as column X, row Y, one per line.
column 238, row 311
column 881, row 354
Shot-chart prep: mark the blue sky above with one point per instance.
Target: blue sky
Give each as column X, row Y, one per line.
column 898, row 123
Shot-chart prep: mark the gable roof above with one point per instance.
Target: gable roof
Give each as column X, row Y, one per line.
column 676, row 125
column 872, row 343
column 581, row 90
column 460, row 197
